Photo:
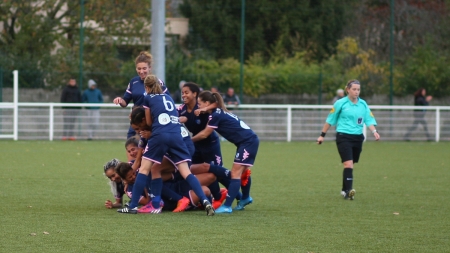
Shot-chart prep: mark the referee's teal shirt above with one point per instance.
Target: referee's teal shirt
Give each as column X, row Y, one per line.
column 349, row 117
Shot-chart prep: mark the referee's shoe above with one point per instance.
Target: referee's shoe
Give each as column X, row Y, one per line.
column 349, row 195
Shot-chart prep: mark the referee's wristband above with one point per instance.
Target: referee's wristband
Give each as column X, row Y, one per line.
column 323, row 134
column 374, row 131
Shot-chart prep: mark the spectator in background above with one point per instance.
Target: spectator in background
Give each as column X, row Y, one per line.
column 230, row 98
column 420, row 99
column 177, row 95
column 92, row 95
column 339, row 95
column 214, row 89
column 70, row 94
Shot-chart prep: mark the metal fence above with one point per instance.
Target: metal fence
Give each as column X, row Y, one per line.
column 44, row 121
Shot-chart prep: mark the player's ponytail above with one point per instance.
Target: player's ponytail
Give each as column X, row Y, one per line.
column 219, row 101
column 152, row 82
column 213, row 97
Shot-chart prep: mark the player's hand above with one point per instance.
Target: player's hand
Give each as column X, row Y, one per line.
column 118, row 101
column 376, row 135
column 108, row 204
column 319, row 140
column 145, row 134
column 182, row 119
column 198, row 112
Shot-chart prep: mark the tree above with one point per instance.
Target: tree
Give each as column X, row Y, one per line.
column 41, row 38
column 311, row 25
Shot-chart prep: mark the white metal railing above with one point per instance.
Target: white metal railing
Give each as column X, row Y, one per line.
column 270, row 122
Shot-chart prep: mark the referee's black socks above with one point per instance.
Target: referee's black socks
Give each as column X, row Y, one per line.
column 348, row 179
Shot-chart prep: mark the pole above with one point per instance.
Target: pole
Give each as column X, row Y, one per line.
column 320, row 87
column 16, row 105
column 158, row 37
column 80, row 68
column 391, row 55
column 241, row 74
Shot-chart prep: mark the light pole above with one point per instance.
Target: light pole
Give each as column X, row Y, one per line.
column 241, row 75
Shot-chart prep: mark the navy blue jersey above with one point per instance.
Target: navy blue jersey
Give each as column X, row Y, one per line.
column 230, row 126
column 142, row 143
column 130, row 192
column 120, row 190
column 196, row 124
column 163, row 112
column 136, row 91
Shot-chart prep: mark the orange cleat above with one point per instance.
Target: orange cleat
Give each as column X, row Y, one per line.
column 217, row 203
column 182, row 205
column 244, row 177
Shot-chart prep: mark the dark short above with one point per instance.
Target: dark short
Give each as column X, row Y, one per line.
column 246, row 152
column 349, row 146
column 171, row 143
column 210, row 153
column 181, row 187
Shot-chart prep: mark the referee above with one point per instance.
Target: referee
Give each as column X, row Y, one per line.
column 349, row 113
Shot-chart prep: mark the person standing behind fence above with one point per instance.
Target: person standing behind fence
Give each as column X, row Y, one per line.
column 349, row 114
column 70, row 94
column 177, row 95
column 92, row 95
column 339, row 94
column 230, row 98
column 420, row 99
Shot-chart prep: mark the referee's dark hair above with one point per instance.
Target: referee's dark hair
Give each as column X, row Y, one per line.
column 349, row 83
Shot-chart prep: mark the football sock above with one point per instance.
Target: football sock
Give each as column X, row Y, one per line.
column 233, row 190
column 170, row 194
column 219, row 171
column 138, row 188
column 224, row 181
column 196, row 187
column 246, row 189
column 156, row 187
column 348, row 178
column 215, row 189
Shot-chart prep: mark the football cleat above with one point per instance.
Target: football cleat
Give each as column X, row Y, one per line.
column 182, row 205
column 128, row 210
column 351, row 194
column 244, row 177
column 150, row 209
column 224, row 209
column 209, row 208
column 217, row 203
column 243, row 202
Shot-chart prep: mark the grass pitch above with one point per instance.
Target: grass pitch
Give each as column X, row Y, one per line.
column 53, row 195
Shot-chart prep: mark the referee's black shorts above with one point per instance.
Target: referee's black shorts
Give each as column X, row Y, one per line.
column 349, row 146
